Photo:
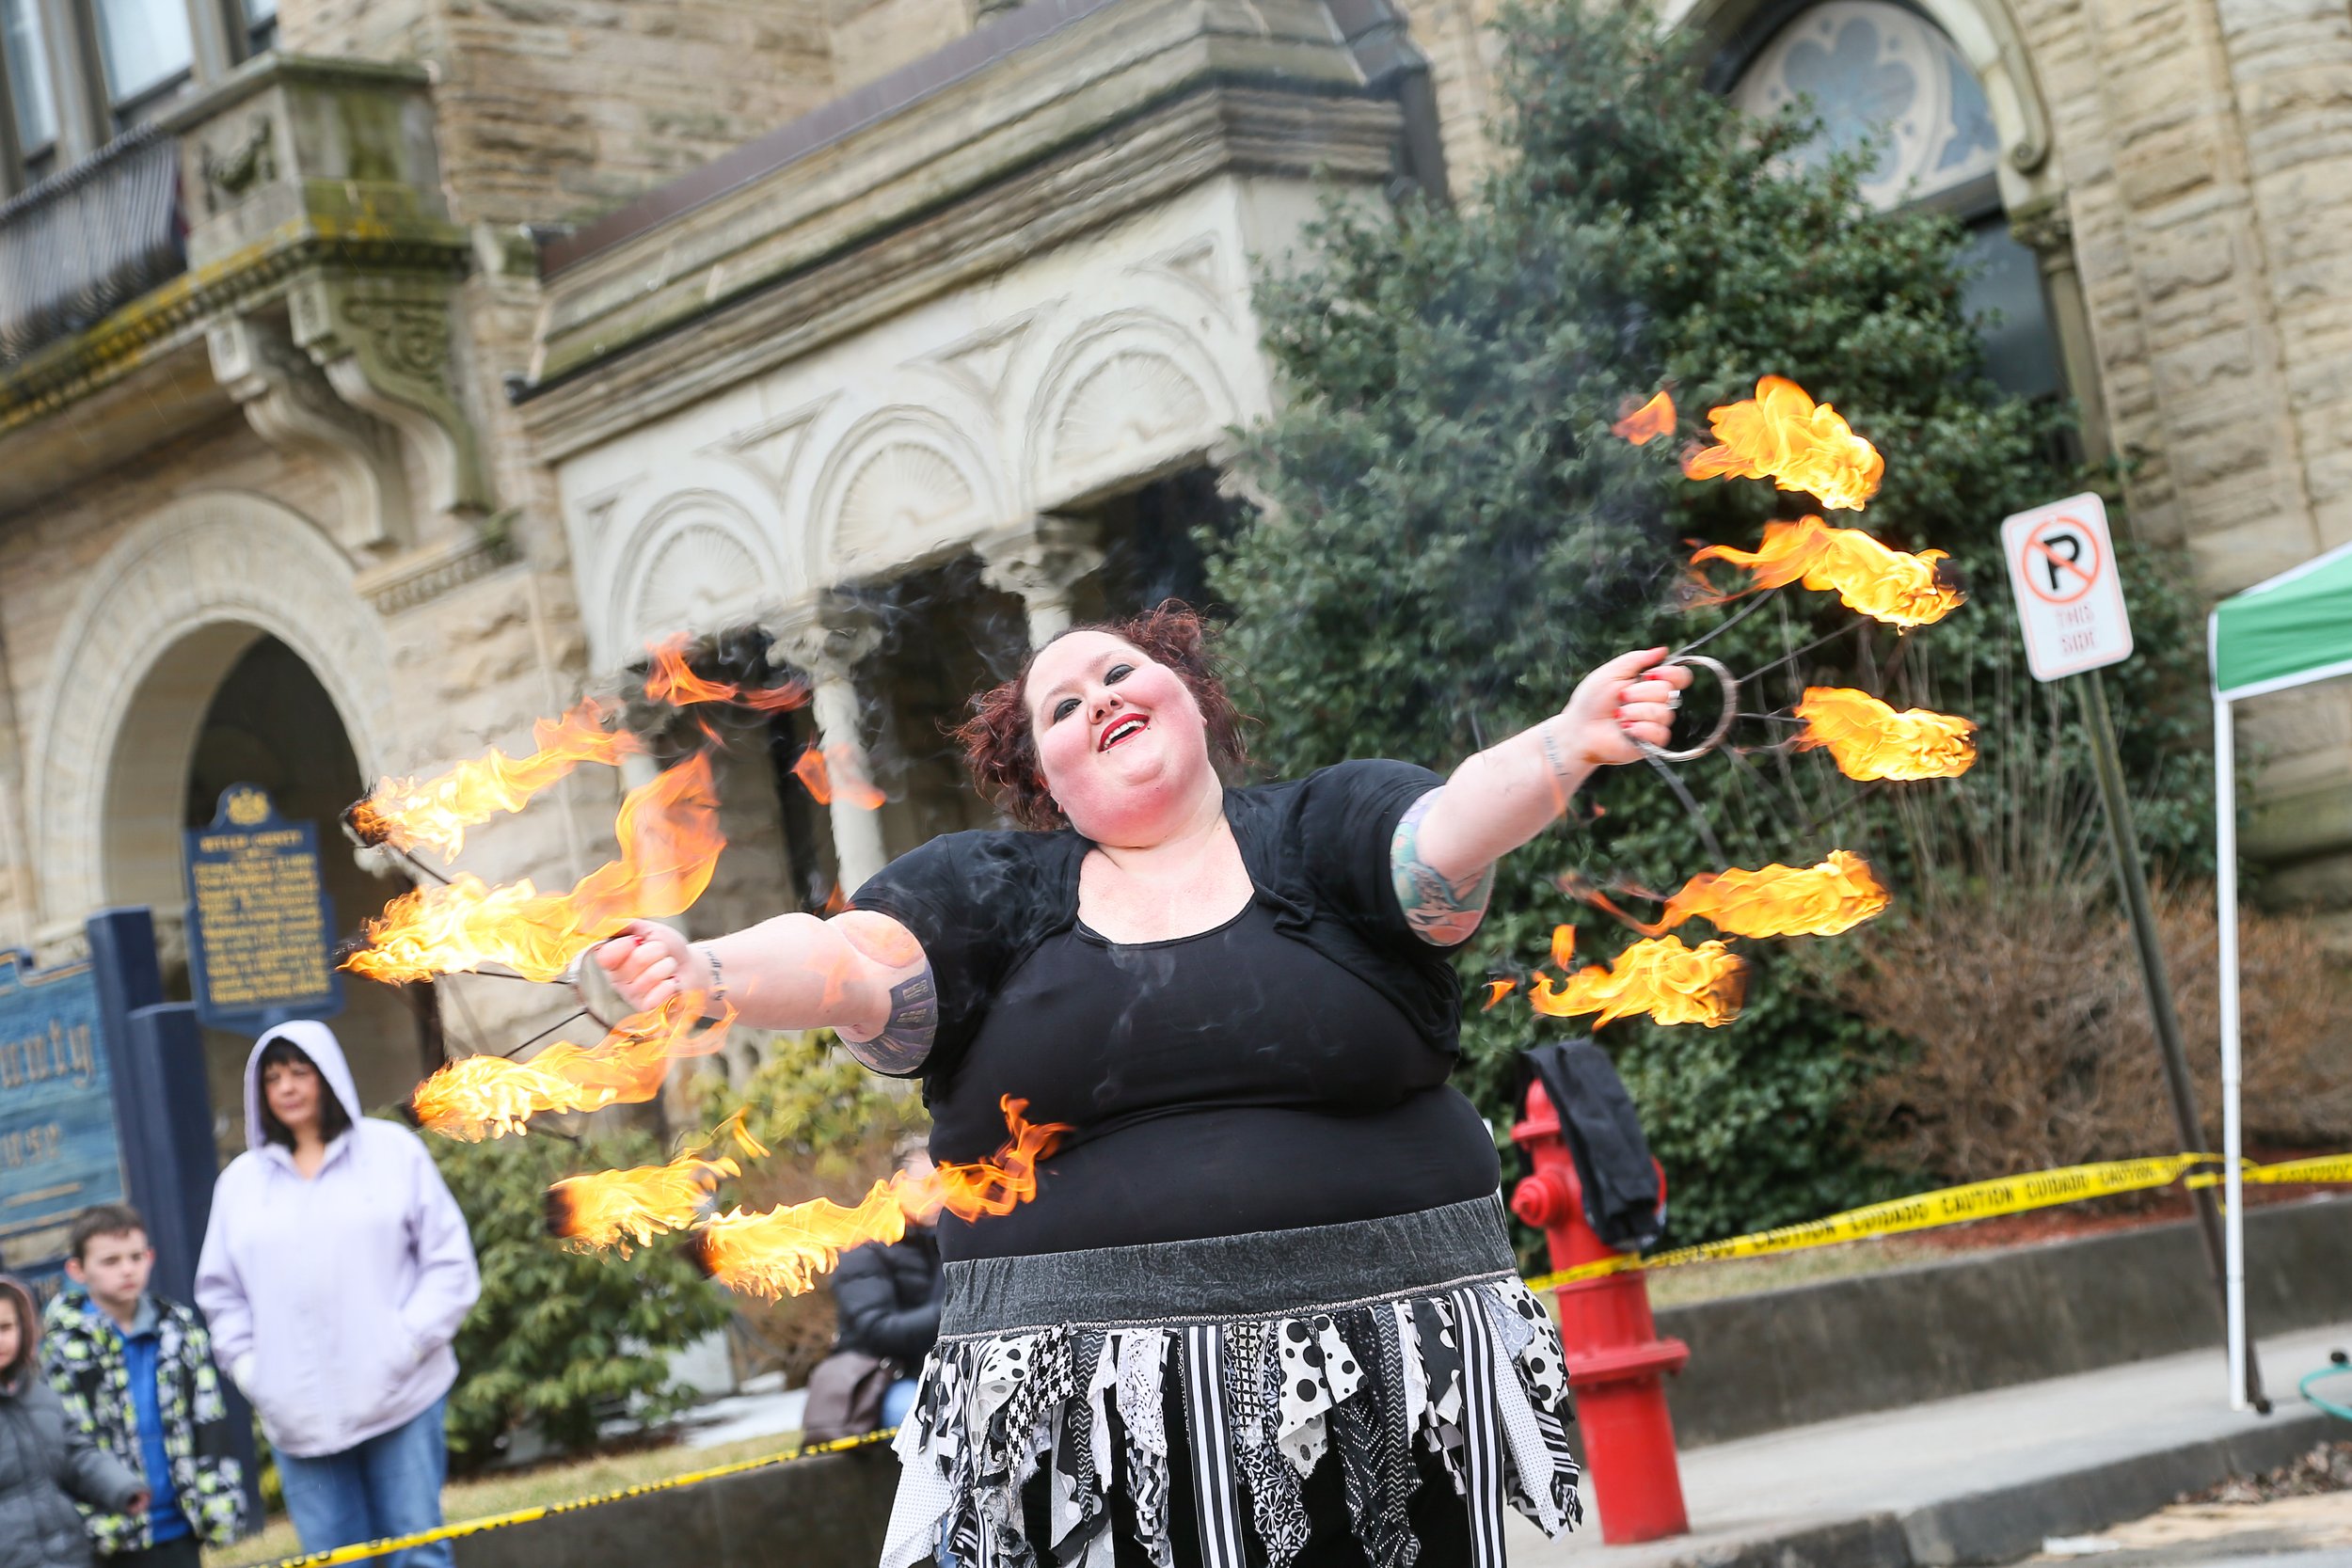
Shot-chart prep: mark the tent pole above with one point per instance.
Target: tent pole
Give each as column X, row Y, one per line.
column 2225, row 881
column 2133, row 878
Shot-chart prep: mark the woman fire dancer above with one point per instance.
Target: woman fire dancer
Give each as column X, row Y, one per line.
column 1263, row 1308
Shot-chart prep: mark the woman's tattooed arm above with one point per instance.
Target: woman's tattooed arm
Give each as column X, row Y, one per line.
column 898, row 964
column 1442, row 910
column 906, row 1040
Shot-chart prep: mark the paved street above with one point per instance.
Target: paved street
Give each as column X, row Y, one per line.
column 1979, row 1479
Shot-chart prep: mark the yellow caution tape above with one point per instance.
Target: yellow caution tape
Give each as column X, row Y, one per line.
column 2318, row 1170
column 360, row 1553
column 1976, row 1200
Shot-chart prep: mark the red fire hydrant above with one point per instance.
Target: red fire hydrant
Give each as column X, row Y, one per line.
column 1614, row 1356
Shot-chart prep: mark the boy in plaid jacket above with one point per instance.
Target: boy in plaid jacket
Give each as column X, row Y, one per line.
column 136, row 1371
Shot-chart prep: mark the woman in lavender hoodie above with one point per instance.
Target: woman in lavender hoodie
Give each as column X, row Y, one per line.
column 335, row 1272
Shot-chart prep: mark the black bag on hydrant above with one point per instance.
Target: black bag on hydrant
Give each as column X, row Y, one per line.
column 1625, row 1199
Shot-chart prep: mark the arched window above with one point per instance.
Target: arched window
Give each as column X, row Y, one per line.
column 1875, row 69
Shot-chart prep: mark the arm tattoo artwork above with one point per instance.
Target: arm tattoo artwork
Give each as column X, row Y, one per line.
column 906, row 1040
column 1556, row 767
column 1442, row 910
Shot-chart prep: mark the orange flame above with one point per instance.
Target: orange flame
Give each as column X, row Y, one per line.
column 1783, row 901
column 1496, row 992
column 670, row 841
column 434, row 813
column 1885, row 584
column 1673, row 984
column 1563, row 947
column 670, row 681
column 488, row 1097
column 835, row 769
column 622, row 1207
column 1868, row 739
column 1784, row 436
column 781, row 1252
column 1644, row 424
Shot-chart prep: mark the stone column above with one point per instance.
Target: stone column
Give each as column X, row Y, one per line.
column 2048, row 231
column 823, row 639
column 1042, row 561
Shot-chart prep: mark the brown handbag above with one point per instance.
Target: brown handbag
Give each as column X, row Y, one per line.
column 844, row 1396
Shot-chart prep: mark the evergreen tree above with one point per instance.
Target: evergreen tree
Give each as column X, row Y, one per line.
column 1449, row 536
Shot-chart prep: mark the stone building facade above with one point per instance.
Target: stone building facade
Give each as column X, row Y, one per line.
column 392, row 372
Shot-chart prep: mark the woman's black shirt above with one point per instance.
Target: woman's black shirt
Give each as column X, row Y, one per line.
column 1285, row 1068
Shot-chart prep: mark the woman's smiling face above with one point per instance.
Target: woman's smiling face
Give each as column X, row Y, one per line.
column 1119, row 736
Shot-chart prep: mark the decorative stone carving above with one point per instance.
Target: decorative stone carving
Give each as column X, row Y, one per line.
column 699, row 579
column 772, row 447
column 900, row 504
column 823, row 636
column 2046, row 228
column 1199, row 266
column 234, row 158
column 1041, row 561
column 289, row 404
column 1135, row 405
column 980, row 362
column 414, row 580
column 384, row 343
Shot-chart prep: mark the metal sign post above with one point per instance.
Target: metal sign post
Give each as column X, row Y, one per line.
column 2070, row 602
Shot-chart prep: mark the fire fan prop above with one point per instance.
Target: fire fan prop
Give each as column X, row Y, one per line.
column 434, row 813
column 619, row 1209
column 1868, row 739
column 1784, row 436
column 1804, row 447
column 670, row 844
column 781, row 1251
column 1885, row 584
column 479, row 1097
column 1674, row 984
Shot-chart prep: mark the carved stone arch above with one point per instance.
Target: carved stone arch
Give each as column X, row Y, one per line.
column 902, row 488
column 1127, row 396
column 157, row 626
column 696, row 562
column 1988, row 38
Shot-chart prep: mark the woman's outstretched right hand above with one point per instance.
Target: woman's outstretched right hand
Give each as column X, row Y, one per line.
column 649, row 962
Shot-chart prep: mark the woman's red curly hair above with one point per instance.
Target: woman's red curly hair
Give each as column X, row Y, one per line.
column 1000, row 748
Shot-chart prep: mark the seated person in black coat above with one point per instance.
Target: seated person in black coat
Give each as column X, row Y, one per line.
column 887, row 1297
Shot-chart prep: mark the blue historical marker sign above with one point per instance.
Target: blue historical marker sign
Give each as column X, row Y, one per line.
column 58, row 1149
column 259, row 926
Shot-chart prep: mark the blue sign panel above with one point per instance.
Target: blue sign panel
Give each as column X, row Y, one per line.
column 58, row 1151
column 259, row 923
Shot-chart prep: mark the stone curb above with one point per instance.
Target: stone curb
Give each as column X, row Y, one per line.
column 2003, row 1524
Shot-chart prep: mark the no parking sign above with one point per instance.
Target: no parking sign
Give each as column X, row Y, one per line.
column 2069, row 598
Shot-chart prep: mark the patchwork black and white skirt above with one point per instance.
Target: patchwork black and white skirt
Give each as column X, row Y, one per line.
column 1395, row 1349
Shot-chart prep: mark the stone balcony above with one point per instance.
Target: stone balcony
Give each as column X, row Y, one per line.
column 1048, row 121
column 312, row 291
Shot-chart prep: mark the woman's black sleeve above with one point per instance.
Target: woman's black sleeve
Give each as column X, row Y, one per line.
column 964, row 896
column 1347, row 817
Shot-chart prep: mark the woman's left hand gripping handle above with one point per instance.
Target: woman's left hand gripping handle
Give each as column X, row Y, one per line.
column 649, row 962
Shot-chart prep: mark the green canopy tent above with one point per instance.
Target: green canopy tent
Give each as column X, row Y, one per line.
column 2290, row 631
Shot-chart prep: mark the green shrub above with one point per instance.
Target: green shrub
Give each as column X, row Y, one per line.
column 559, row 1338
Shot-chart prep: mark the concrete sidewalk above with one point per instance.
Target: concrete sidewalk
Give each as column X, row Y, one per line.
column 1980, row 1478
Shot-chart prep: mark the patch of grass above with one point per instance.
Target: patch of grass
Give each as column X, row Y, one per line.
column 1740, row 1276
column 509, row 1490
